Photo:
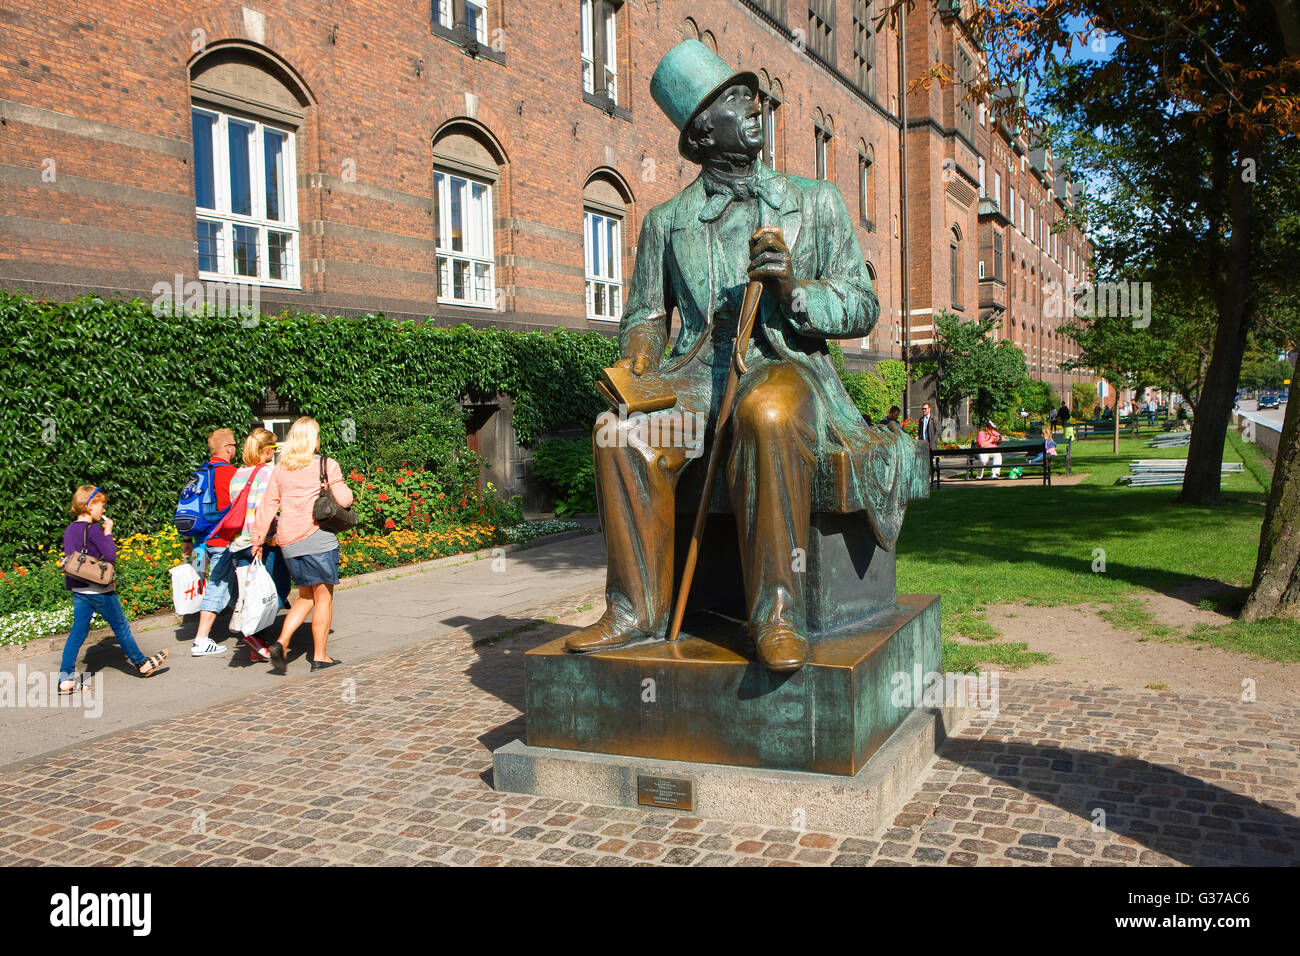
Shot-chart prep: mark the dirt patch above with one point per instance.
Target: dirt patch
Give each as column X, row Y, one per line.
column 1089, row 650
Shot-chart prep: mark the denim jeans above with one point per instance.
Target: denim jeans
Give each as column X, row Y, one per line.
column 85, row 606
column 221, row 587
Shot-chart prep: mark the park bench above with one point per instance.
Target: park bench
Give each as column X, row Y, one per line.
column 1014, row 454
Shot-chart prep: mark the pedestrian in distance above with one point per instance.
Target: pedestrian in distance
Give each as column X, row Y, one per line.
column 311, row 552
column 926, row 428
column 85, row 533
column 894, row 412
column 988, row 437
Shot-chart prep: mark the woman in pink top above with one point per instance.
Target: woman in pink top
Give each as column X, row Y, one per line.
column 311, row 552
column 988, row 437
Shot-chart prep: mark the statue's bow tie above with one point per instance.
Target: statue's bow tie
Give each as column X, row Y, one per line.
column 722, row 192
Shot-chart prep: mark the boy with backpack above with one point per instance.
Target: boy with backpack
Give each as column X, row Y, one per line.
column 203, row 506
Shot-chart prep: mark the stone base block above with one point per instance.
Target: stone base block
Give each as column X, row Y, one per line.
column 708, row 699
column 865, row 803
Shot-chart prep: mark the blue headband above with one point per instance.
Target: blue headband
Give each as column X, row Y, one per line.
column 92, row 496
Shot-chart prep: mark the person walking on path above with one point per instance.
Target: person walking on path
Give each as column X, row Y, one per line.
column 988, row 437
column 311, row 552
column 259, row 450
column 221, row 565
column 88, row 599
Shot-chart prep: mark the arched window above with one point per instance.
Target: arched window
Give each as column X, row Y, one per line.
column 606, row 208
column 467, row 164
column 247, row 111
column 954, row 259
column 769, row 99
column 824, row 131
column 867, row 184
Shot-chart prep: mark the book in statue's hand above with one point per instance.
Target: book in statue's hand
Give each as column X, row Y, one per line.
column 640, row 393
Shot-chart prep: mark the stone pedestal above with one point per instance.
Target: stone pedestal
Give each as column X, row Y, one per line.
column 707, row 699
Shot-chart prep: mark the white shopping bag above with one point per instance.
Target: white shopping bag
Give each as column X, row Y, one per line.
column 237, row 616
column 187, row 589
column 261, row 601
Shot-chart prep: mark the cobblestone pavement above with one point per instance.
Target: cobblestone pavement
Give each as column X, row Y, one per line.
column 388, row 762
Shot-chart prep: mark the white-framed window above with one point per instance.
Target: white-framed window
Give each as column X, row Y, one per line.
column 1011, row 204
column 997, row 188
column 823, row 165
column 600, row 47
column 475, row 17
column 603, row 239
column 981, row 268
column 463, row 232
column 1031, row 224
column 247, row 208
column 1021, row 222
column 983, row 190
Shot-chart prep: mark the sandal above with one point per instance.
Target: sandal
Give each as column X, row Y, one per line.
column 150, row 667
column 77, row 684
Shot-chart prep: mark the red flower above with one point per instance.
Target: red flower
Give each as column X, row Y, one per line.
column 379, row 467
column 383, row 497
column 371, row 487
column 399, row 479
column 441, row 495
column 424, row 484
column 390, row 524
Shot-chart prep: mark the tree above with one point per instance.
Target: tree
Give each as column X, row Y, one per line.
column 973, row 365
column 1115, row 350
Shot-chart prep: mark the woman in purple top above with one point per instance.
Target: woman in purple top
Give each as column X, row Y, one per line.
column 89, row 599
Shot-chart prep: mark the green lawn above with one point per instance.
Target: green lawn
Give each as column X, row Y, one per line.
column 1033, row 545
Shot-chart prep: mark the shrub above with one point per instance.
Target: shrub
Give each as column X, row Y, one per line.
column 566, row 465
column 108, row 393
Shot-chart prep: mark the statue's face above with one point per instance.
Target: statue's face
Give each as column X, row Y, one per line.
column 736, row 119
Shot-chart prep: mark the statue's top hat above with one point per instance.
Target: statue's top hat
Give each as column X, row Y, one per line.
column 688, row 78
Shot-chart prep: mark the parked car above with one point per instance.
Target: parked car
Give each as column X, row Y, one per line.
column 1267, row 400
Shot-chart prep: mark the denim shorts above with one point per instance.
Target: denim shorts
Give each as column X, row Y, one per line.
column 221, row 586
column 314, row 568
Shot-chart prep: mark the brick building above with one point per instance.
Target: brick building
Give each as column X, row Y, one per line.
column 488, row 162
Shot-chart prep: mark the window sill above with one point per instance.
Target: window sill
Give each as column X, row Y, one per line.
column 471, row 47
column 250, row 280
column 461, row 304
column 603, row 318
column 606, row 105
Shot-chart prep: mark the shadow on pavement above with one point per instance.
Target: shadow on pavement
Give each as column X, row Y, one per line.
column 1165, row 810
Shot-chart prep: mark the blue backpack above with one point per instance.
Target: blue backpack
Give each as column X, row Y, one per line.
column 197, row 514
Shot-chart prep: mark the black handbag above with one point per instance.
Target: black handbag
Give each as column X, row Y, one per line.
column 327, row 512
column 84, row 567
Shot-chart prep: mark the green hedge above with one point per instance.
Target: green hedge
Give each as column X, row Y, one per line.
column 108, row 393
column 872, row 392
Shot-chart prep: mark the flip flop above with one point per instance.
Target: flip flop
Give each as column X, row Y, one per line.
column 150, row 667
column 79, row 683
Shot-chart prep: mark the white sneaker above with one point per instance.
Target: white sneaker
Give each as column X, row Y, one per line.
column 208, row 646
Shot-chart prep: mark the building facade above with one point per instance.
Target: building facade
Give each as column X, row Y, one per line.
column 487, row 162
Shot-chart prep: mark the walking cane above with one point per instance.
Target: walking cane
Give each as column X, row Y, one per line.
column 748, row 312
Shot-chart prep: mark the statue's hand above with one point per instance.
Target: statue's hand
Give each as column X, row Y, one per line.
column 639, row 364
column 769, row 260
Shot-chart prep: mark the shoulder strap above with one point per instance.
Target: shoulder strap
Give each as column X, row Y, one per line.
column 323, row 479
column 85, row 539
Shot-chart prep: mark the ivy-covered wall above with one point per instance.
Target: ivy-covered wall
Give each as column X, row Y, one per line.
column 108, row 393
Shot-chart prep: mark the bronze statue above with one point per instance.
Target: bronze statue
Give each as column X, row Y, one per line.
column 797, row 442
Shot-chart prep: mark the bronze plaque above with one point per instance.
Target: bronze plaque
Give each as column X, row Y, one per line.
column 665, row 792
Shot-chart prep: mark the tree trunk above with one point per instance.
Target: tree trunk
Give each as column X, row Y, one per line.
column 1230, row 281
column 1275, row 591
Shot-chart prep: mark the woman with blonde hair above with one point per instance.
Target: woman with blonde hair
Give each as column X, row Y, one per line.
column 311, row 552
column 255, row 475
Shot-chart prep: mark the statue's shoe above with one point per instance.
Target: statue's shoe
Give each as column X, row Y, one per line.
column 781, row 647
column 609, row 632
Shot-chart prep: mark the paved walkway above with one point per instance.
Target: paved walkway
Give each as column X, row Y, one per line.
column 388, row 761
